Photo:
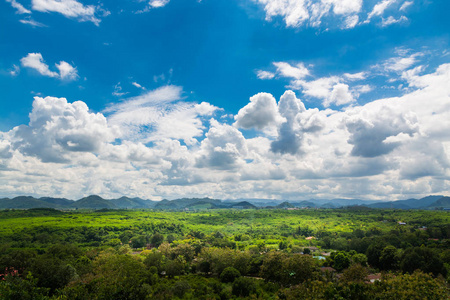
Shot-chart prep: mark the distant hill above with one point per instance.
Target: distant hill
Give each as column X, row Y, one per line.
column 23, row 202
column 285, row 204
column 441, row 203
column 97, row 202
column 93, row 202
column 243, row 205
column 304, row 204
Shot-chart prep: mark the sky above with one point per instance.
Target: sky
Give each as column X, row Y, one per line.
column 229, row 99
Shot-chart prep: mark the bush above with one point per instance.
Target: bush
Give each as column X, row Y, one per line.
column 229, row 275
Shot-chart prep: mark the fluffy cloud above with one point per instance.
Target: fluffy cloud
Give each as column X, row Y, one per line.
column 262, row 111
column 223, row 148
column 371, row 128
column 58, row 128
column 340, row 95
column 68, row 8
column 36, row 61
column 391, row 147
column 66, row 71
column 289, row 140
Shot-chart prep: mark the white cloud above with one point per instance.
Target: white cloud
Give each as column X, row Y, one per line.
column 401, row 63
column 356, row 76
column 66, row 71
column 223, row 148
column 380, row 7
column 58, row 128
column 68, row 8
column 158, row 3
column 265, row 75
column 15, row 70
column 32, row 22
column 351, row 22
column 286, row 70
column 391, row 20
column 19, row 7
column 159, row 114
column 36, row 61
column 405, row 5
column 118, row 90
column 297, row 13
column 138, row 85
column 340, row 95
column 261, row 112
column 391, row 147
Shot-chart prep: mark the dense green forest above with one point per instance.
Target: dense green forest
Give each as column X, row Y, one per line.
column 352, row 253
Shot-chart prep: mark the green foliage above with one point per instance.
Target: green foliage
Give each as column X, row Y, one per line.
column 229, row 275
column 14, row 287
column 90, row 255
column 243, row 287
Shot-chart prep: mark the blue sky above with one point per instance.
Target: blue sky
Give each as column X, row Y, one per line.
column 227, row 99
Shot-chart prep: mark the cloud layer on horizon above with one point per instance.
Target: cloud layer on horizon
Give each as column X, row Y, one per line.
column 159, row 145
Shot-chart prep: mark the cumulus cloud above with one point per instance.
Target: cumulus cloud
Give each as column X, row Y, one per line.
column 289, row 140
column 5, row 149
column 262, row 111
column 387, row 147
column 36, row 61
column 371, row 128
column 68, row 8
column 340, row 95
column 223, row 148
column 58, row 128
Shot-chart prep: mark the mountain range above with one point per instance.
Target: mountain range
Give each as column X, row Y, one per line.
column 97, row 202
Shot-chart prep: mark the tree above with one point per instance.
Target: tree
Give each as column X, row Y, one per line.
column 389, row 258
column 355, row 273
column 243, row 287
column 157, row 239
column 422, row 258
column 229, row 275
column 405, row 287
column 341, row 261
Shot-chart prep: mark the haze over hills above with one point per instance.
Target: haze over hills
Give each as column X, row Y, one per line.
column 97, row 202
